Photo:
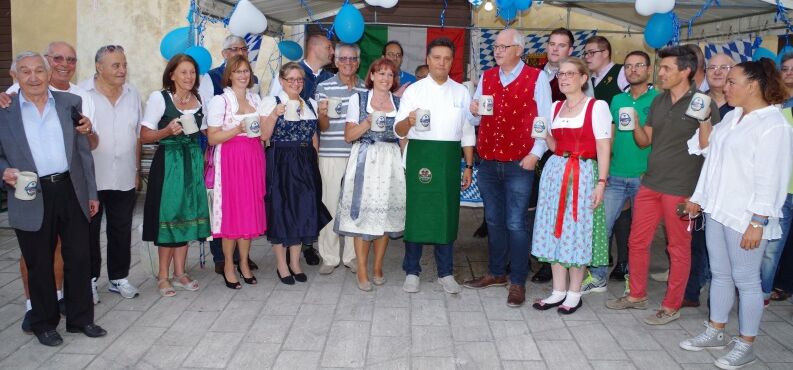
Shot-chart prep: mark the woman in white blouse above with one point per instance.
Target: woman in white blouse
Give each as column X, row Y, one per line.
column 176, row 209
column 237, row 131
column 741, row 189
column 569, row 228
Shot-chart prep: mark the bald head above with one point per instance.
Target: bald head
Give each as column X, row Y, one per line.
column 319, row 51
column 508, row 48
column 716, row 71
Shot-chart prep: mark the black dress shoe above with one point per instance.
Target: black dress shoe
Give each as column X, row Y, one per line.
column 50, row 338
column 252, row 265
column 542, row 306
column 312, row 258
column 90, row 330
column 289, row 280
column 26, row 328
column 250, row 281
column 619, row 272
column 62, row 306
column 301, row 277
column 544, row 275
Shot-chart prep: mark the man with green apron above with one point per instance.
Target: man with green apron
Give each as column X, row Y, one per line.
column 432, row 116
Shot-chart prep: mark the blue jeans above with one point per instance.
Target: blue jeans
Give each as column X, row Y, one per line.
column 506, row 189
column 216, row 247
column 618, row 191
column 774, row 249
column 443, row 259
column 700, row 264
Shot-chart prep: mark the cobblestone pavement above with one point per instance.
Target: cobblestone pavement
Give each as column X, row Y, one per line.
column 329, row 323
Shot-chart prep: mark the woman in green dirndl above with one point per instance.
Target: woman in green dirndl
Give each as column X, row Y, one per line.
column 176, row 209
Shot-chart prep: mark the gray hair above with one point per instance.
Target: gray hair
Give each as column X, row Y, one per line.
column 48, row 50
column 230, row 39
column 354, row 47
column 28, row 54
column 107, row 49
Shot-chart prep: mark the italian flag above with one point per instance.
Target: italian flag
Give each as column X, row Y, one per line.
column 414, row 42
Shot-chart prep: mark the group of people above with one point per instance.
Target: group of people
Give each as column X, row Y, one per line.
column 336, row 160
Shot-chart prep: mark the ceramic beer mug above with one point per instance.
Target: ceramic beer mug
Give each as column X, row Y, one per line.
column 252, row 126
column 423, row 120
column 189, row 125
column 27, row 183
column 539, row 129
column 627, row 119
column 486, row 105
column 378, row 121
column 292, row 110
column 334, row 108
column 699, row 108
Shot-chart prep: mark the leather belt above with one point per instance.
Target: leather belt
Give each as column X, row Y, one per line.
column 55, row 177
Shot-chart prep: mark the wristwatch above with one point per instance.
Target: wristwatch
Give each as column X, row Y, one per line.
column 469, row 166
column 760, row 221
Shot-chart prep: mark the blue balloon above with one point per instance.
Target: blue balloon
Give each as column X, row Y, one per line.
column 201, row 56
column 504, row 3
column 522, row 4
column 659, row 30
column 763, row 53
column 348, row 24
column 786, row 50
column 175, row 42
column 290, row 49
column 507, row 14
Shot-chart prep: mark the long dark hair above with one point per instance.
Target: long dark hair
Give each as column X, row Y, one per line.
column 766, row 74
column 177, row 59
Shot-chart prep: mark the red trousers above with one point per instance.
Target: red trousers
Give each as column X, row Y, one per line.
column 649, row 207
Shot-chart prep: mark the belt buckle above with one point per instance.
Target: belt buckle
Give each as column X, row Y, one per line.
column 566, row 154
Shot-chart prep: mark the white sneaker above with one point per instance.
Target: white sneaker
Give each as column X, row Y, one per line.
column 411, row 284
column 94, row 292
column 123, row 287
column 449, row 284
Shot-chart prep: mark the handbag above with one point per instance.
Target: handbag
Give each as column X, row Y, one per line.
column 209, row 157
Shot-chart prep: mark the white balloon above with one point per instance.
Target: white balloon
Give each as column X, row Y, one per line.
column 664, row 6
column 373, row 2
column 388, row 3
column 645, row 7
column 247, row 19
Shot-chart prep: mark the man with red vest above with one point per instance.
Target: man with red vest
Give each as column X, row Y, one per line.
column 509, row 153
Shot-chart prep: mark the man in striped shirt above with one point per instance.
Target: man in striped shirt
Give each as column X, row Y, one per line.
column 334, row 151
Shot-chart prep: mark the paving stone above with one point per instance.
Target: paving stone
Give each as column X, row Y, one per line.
column 323, row 294
column 12, row 338
column 523, row 365
column 563, row 354
column 670, row 340
column 781, row 333
column 470, row 327
column 355, row 307
column 164, row 357
column 769, row 350
column 67, row 361
column 297, row 360
column 476, row 355
column 346, row 345
column 237, row 316
column 188, row 329
column 653, row 360
column 387, row 349
column 465, row 301
column 497, row 309
column 392, row 296
column 397, row 364
column 391, row 322
column 612, row 365
column 433, row 363
column 513, row 341
column 167, row 310
column 283, row 302
column 630, row 333
column 597, row 343
column 435, row 341
column 214, row 350
column 310, row 328
column 428, row 312
column 128, row 348
column 116, row 323
column 29, row 356
column 269, row 329
column 255, row 356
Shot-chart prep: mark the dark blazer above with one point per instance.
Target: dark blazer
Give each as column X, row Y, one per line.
column 27, row 215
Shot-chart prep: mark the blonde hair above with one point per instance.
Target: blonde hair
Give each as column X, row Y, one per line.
column 288, row 67
column 580, row 65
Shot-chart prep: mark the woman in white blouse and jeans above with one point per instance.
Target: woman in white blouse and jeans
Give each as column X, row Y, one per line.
column 742, row 188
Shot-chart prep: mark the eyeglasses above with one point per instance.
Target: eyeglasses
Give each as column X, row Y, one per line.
column 293, row 81
column 566, row 74
column 590, row 53
column 637, row 66
column 60, row 59
column 723, row 67
column 237, row 50
column 786, row 69
column 394, row 55
column 347, row 59
column 502, row 47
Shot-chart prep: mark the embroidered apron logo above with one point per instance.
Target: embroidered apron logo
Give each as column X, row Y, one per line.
column 425, row 175
column 30, row 188
column 697, row 104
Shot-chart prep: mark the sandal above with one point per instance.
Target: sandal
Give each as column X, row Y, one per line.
column 165, row 291
column 190, row 285
column 779, row 295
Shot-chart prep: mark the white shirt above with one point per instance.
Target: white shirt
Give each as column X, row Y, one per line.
column 155, row 108
column 222, row 109
column 601, row 119
column 268, row 104
column 118, row 128
column 448, row 105
column 353, row 110
column 747, row 169
column 88, row 102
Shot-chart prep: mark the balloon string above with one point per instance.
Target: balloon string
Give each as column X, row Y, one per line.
column 781, row 16
column 443, row 13
column 310, row 14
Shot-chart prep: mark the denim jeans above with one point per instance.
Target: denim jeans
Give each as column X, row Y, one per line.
column 774, row 249
column 618, row 191
column 216, row 247
column 700, row 265
column 506, row 188
column 443, row 259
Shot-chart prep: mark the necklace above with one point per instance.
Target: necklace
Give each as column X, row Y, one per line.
column 379, row 102
column 184, row 100
column 574, row 106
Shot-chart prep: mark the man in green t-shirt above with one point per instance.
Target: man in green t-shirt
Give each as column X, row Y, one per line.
column 628, row 161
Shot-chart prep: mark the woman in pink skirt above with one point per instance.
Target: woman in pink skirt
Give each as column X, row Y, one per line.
column 238, row 196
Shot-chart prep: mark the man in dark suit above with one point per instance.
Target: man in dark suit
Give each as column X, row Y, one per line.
column 37, row 135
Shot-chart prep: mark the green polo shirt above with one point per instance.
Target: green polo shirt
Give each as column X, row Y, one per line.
column 628, row 160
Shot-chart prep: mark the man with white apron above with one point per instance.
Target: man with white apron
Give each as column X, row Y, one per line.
column 432, row 116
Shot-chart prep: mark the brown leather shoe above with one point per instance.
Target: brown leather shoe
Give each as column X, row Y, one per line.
column 485, row 281
column 517, row 295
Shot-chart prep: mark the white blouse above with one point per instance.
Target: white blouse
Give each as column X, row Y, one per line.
column 747, row 170
column 225, row 106
column 155, row 108
column 601, row 118
column 268, row 104
column 353, row 113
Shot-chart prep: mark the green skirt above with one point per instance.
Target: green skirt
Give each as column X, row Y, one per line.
column 433, row 191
